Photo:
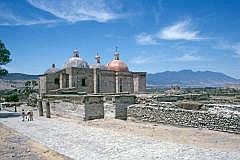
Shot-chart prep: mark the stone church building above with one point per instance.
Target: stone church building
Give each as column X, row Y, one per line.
column 78, row 75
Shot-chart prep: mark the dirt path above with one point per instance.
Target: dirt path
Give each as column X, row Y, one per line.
column 14, row 145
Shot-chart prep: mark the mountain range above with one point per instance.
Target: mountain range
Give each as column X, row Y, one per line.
column 15, row 80
column 19, row 76
column 181, row 78
column 190, row 78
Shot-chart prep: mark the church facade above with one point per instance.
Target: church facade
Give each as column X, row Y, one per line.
column 76, row 74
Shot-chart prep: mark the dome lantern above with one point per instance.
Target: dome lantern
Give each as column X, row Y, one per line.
column 98, row 63
column 53, row 69
column 75, row 53
column 98, row 58
column 76, row 61
column 117, row 64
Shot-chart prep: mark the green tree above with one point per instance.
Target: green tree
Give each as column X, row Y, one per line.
column 34, row 83
column 4, row 58
column 27, row 84
column 12, row 98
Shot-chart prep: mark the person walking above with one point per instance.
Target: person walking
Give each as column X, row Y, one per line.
column 23, row 115
column 28, row 115
column 31, row 115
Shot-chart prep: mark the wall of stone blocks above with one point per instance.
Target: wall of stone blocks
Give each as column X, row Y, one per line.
column 77, row 74
column 93, row 107
column 67, row 109
column 64, row 79
column 51, row 81
column 139, row 82
column 42, row 85
column 80, row 107
column 121, row 104
column 185, row 118
column 107, row 81
column 124, row 79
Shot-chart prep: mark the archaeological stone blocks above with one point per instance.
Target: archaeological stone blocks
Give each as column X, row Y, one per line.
column 48, row 112
column 186, row 118
column 89, row 107
column 85, row 107
column 93, row 107
column 121, row 104
column 40, row 108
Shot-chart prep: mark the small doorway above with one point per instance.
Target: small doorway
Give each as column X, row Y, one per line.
column 83, row 82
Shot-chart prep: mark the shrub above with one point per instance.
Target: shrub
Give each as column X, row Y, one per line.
column 12, row 98
column 189, row 105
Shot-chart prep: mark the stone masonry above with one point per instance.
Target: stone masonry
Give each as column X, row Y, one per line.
column 186, row 118
column 75, row 106
column 121, row 104
column 93, row 107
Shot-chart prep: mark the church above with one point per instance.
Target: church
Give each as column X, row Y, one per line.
column 97, row 78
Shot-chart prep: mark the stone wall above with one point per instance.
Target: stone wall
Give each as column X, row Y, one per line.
column 78, row 75
column 52, row 81
column 139, row 82
column 67, row 109
column 48, row 82
column 93, row 107
column 107, row 81
column 186, row 118
column 82, row 107
column 120, row 105
column 42, row 85
column 124, row 82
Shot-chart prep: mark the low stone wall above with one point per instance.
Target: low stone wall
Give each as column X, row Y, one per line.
column 186, row 118
column 121, row 104
column 82, row 107
column 93, row 107
column 67, row 109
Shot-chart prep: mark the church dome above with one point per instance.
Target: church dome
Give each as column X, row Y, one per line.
column 76, row 61
column 117, row 64
column 98, row 63
column 53, row 69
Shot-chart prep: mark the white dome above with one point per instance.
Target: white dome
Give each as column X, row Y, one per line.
column 76, row 61
column 53, row 69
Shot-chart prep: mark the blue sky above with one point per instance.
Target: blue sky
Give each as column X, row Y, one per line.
column 152, row 36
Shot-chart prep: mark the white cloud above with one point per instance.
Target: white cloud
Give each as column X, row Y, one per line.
column 52, row 12
column 142, row 60
column 189, row 58
column 22, row 16
column 234, row 47
column 77, row 10
column 15, row 20
column 145, row 39
column 179, row 31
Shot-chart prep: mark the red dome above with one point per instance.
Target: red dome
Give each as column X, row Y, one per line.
column 118, row 66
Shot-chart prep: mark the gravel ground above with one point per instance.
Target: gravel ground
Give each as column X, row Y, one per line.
column 15, row 146
column 87, row 142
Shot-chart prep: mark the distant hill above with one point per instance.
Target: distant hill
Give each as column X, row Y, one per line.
column 15, row 80
column 190, row 78
column 19, row 76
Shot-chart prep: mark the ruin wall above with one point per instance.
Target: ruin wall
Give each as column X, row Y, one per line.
column 185, row 118
column 82, row 107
